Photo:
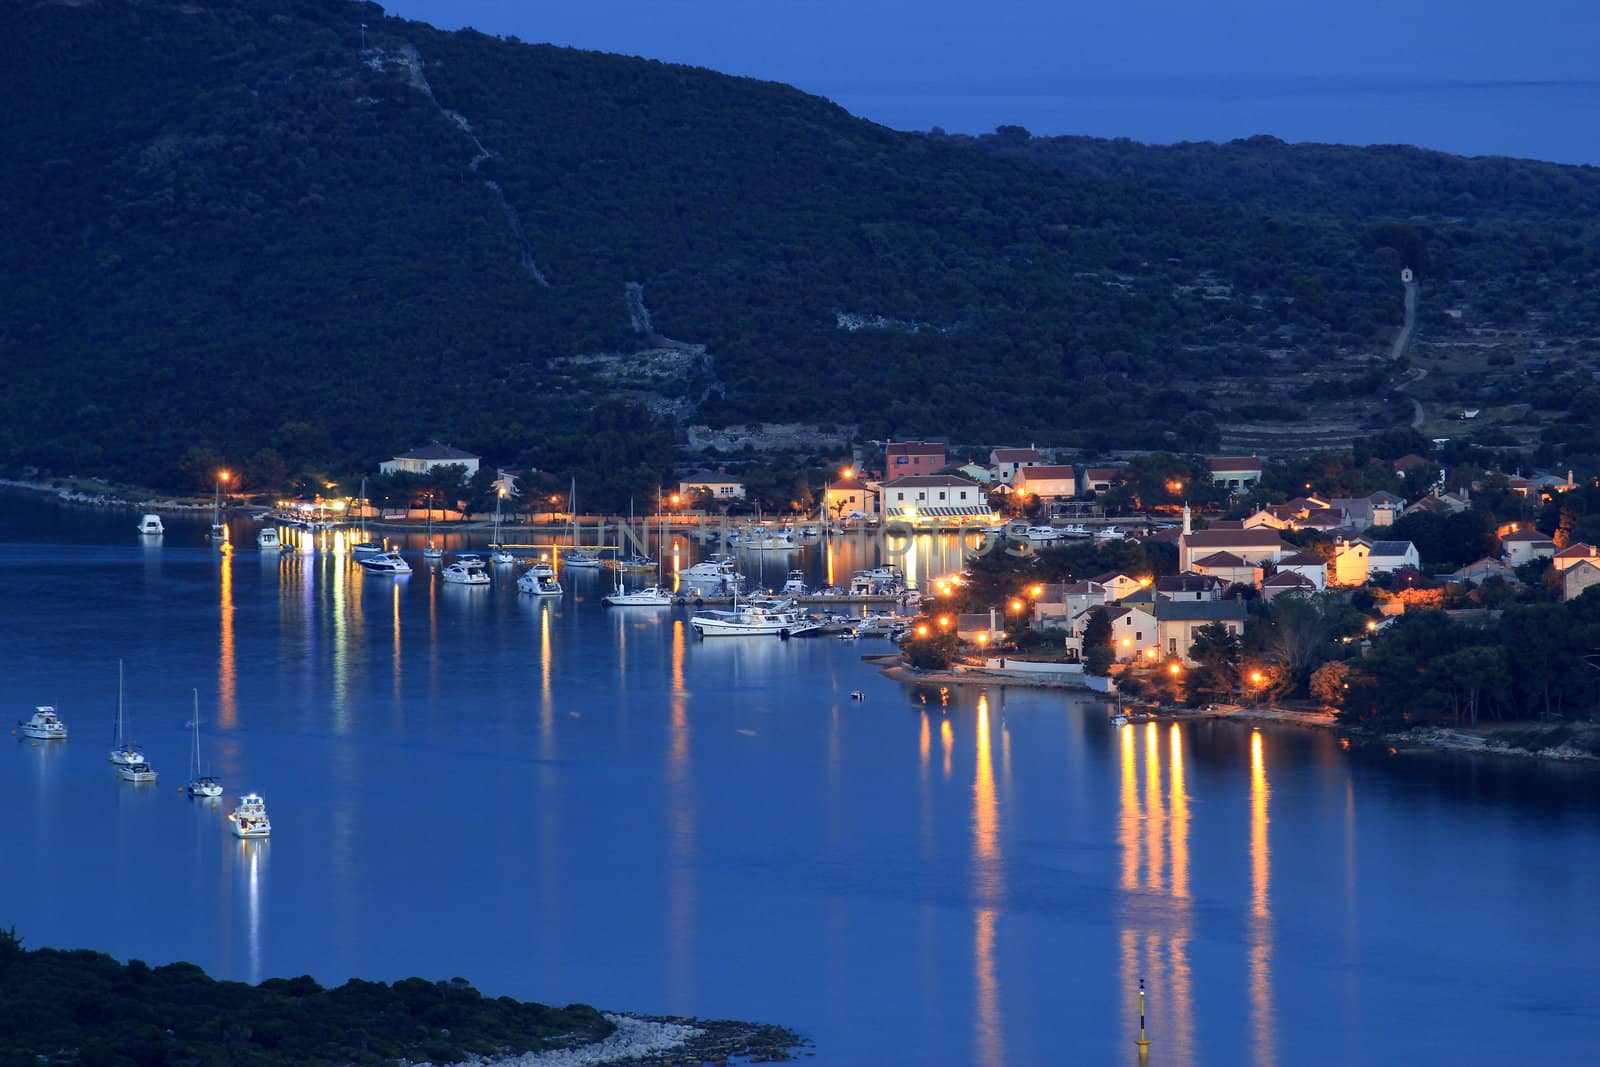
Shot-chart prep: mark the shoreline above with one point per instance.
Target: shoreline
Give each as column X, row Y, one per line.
column 656, row 1041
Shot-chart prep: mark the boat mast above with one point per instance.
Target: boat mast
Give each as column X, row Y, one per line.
column 194, row 756
column 118, row 739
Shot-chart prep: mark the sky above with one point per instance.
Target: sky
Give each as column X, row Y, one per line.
column 1472, row 76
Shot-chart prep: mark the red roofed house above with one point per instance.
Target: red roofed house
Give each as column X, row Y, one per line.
column 1047, row 482
column 1008, row 461
column 1572, row 555
column 1099, row 479
column 1227, row 567
column 1252, row 546
column 1239, row 473
column 912, row 457
column 1287, row 582
column 1521, row 546
column 1308, row 566
column 938, row 500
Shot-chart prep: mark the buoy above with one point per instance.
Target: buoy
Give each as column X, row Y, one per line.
column 1143, row 1042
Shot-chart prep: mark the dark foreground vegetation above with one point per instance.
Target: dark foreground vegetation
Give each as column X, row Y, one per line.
column 84, row 1007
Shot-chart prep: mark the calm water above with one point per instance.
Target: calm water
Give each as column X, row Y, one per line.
column 563, row 802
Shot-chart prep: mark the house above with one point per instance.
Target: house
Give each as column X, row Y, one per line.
column 852, row 496
column 717, row 485
column 1578, row 578
column 1520, row 546
column 425, row 459
column 505, row 483
column 1008, row 461
column 1118, row 586
column 1272, row 517
column 1408, row 463
column 1050, row 607
column 1133, row 632
column 1238, row 473
column 1047, row 482
column 937, row 500
column 1379, row 509
column 977, row 472
column 1481, row 571
column 1287, row 582
column 1389, row 556
column 1311, row 567
column 1251, row 546
column 1350, row 561
column 979, row 628
column 1177, row 621
column 1100, row 479
column 1229, row 568
column 1188, row 586
column 1572, row 555
column 1079, row 597
column 912, row 457
column 1443, row 504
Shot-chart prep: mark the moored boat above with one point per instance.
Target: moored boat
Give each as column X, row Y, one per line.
column 390, row 562
column 45, row 725
column 250, row 817
column 466, row 570
column 150, row 526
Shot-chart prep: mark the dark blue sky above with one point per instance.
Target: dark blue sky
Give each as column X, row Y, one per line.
column 1474, row 76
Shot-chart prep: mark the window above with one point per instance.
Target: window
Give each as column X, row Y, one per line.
column 1137, row 636
column 900, row 459
column 941, row 494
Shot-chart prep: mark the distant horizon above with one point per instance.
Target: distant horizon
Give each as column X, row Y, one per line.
column 1491, row 82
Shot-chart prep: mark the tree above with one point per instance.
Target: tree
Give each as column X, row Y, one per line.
column 1216, row 653
column 1097, row 654
column 1330, row 682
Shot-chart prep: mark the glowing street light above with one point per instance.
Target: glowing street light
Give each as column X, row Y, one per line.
column 1174, row 669
column 922, row 629
column 1016, row 606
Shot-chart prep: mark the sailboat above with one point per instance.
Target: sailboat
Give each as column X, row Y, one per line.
column 219, row 529
column 124, row 753
column 200, row 785
column 432, row 551
column 498, row 553
column 636, row 561
column 577, row 557
column 366, row 546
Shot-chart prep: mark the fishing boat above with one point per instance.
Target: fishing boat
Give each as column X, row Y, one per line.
column 150, row 526
column 250, row 817
column 200, row 783
column 366, row 546
column 45, row 725
column 755, row 619
column 123, row 751
column 466, row 570
column 267, row 539
column 538, row 584
column 390, row 562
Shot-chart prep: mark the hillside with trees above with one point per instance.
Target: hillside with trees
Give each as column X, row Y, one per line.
column 260, row 229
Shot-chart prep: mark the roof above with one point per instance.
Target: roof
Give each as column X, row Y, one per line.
column 1104, row 474
column 1525, row 535
column 847, row 485
column 1222, row 464
column 1408, row 461
column 913, row 448
column 1391, row 548
column 708, row 478
column 923, row 481
column 1016, row 455
column 975, row 621
column 1221, row 559
column 1083, row 589
column 436, row 451
column 1109, row 577
column 1578, row 551
column 1288, row 580
column 1188, row 582
column 1303, row 559
column 1232, row 539
column 1226, row 524
column 1046, row 472
column 1201, row 610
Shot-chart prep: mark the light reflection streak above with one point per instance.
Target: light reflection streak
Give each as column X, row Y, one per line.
column 681, row 851
column 253, row 850
column 947, row 740
column 395, row 614
column 341, row 639
column 988, row 889
column 1262, row 1022
column 547, row 703
column 227, row 677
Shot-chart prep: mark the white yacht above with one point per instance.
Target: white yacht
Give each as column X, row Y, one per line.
column 124, row 753
column 638, row 562
column 390, row 562
column 150, row 526
column 538, row 585
column 651, row 596
column 782, row 541
column 44, row 726
column 581, row 557
column 714, row 568
column 542, row 568
column 250, row 817
column 782, row 619
column 135, row 772
column 502, row 555
column 268, row 540
column 795, row 585
column 1044, row 535
column 467, row 570
column 200, row 785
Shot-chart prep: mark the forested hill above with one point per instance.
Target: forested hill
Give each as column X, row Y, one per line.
column 250, row 224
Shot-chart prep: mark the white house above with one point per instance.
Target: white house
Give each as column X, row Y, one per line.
column 1177, row 621
column 1310, row 567
column 851, row 496
column 977, row 472
column 424, row 459
column 1133, row 632
column 1008, row 461
column 1118, row 585
column 1521, row 546
column 1229, row 568
column 720, row 486
column 1099, row 479
column 1047, row 482
column 1252, row 546
column 1390, row 556
column 1572, row 555
column 934, row 500
column 1239, row 473
column 1188, row 586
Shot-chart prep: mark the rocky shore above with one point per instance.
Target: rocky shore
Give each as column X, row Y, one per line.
column 659, row 1041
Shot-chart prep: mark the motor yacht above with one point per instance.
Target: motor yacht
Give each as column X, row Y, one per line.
column 150, row 526
column 44, row 726
column 135, row 772
column 250, row 817
column 268, row 540
column 795, row 584
column 390, row 562
column 538, row 585
column 467, row 570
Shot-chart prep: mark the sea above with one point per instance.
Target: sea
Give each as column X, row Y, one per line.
column 564, row 802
